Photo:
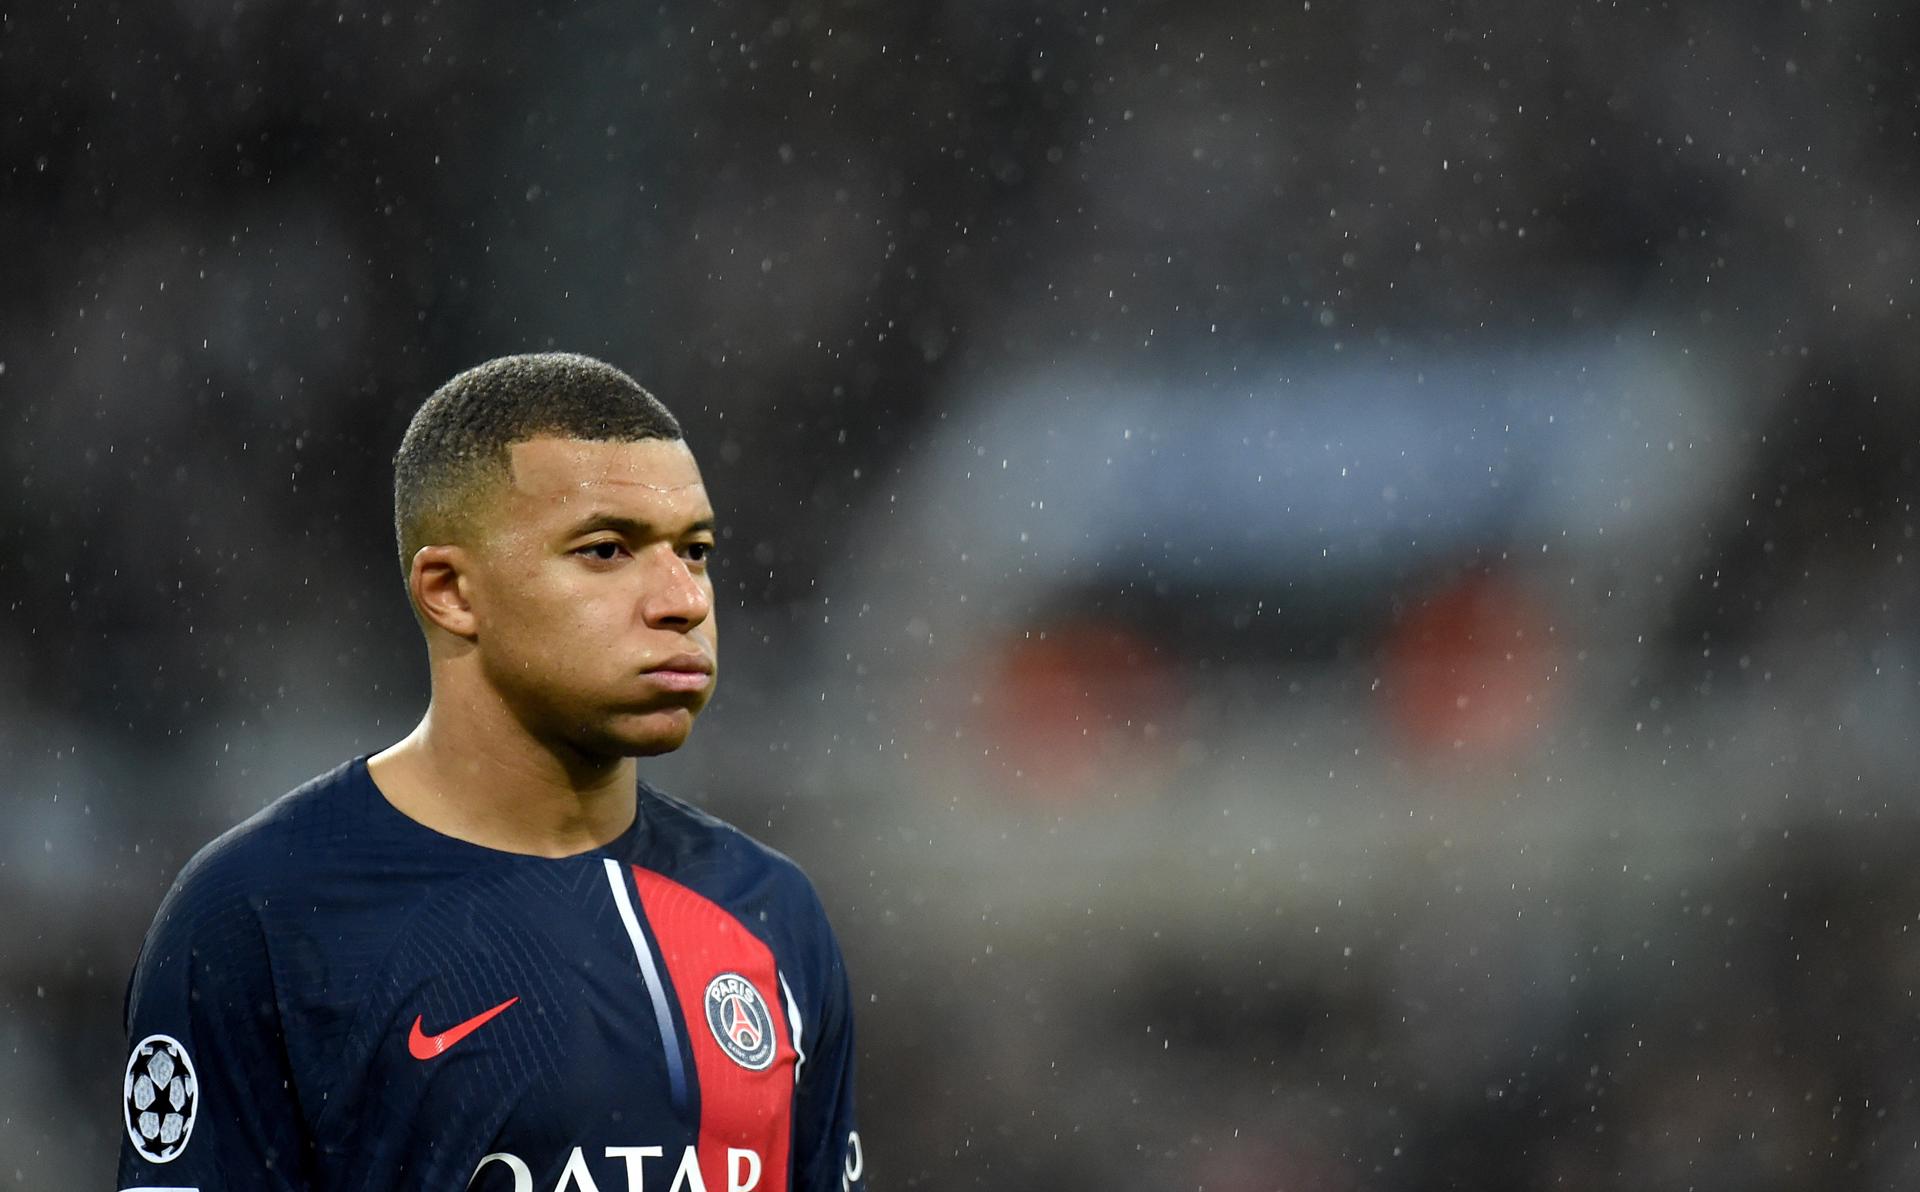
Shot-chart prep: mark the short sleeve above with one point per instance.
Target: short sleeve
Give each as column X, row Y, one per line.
column 828, row 1153
column 207, row 1098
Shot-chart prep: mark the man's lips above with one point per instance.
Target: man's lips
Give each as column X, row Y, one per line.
column 682, row 672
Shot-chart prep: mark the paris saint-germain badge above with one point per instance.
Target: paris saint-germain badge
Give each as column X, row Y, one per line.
column 740, row 1022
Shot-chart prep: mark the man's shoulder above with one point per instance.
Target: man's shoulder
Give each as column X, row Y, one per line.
column 701, row 841
column 276, row 847
column 209, row 920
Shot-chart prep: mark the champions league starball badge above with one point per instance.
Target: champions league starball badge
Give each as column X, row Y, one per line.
column 162, row 1098
column 740, row 1022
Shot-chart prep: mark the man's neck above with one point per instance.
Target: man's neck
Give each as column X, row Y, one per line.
column 497, row 787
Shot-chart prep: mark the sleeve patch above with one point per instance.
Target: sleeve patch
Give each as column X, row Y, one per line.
column 162, row 1098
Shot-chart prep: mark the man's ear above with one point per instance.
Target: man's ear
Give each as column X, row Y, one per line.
column 441, row 589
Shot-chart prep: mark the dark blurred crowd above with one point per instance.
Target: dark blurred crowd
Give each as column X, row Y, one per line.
column 1660, row 932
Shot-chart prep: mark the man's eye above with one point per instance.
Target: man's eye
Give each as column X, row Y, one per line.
column 699, row 552
column 606, row 552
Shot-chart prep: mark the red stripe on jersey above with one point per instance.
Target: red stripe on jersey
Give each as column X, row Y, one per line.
column 739, row 1107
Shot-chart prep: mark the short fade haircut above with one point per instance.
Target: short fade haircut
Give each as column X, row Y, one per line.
column 459, row 438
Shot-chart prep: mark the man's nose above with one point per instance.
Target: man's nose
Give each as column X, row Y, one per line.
column 676, row 597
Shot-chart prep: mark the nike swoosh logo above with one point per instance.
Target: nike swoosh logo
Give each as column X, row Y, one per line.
column 423, row 1046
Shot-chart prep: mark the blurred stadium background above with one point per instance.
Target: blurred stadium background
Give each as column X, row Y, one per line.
column 1327, row 589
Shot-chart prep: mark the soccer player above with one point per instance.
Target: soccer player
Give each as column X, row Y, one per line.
column 491, row 957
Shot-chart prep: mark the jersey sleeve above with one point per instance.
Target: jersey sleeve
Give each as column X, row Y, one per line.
column 828, row 1153
column 208, row 1098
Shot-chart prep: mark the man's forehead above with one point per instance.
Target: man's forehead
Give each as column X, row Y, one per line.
column 549, row 467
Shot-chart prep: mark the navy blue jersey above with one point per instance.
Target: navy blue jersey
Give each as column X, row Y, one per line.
column 334, row 996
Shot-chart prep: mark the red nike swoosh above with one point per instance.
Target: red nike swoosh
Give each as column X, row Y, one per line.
column 423, row 1046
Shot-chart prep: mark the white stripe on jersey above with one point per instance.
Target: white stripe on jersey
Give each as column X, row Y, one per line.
column 793, row 1027
column 656, row 989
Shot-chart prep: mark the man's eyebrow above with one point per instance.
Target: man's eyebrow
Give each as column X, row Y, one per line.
column 632, row 527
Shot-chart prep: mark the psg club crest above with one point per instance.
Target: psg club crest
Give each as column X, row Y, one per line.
column 162, row 1098
column 740, row 1022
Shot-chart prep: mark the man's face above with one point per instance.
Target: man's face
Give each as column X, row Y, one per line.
column 590, row 593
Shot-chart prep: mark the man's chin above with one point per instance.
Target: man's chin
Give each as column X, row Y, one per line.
column 652, row 733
